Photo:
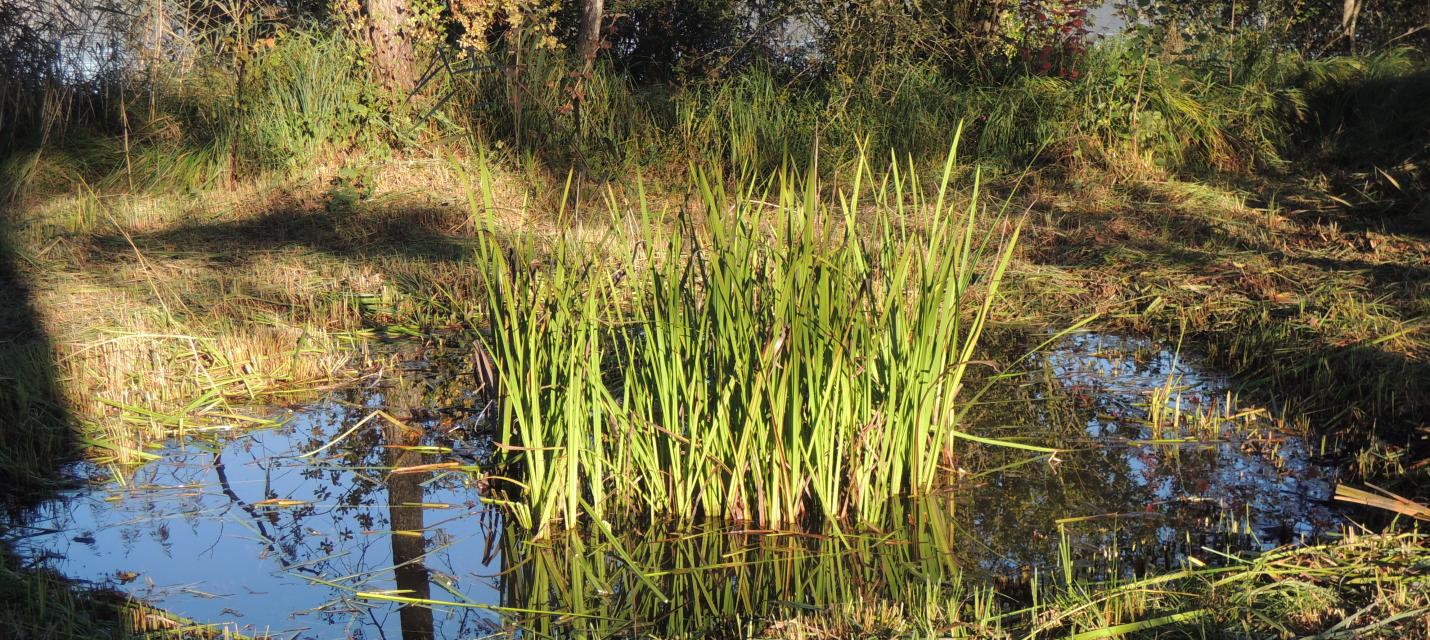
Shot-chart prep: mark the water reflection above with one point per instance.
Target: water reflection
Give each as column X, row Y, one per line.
column 717, row 579
column 1158, row 463
column 245, row 529
column 359, row 510
column 408, row 536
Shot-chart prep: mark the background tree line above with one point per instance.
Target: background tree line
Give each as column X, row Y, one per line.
column 266, row 83
column 672, row 40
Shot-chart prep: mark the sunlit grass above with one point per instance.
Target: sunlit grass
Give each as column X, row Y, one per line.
column 766, row 360
column 782, row 351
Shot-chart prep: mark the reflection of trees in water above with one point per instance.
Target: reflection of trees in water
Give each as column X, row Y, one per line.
column 1141, row 507
column 1135, row 510
column 354, row 506
column 987, row 531
column 261, row 521
column 359, row 481
column 408, row 535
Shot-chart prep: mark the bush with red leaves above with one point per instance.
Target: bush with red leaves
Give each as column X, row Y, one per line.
column 1056, row 35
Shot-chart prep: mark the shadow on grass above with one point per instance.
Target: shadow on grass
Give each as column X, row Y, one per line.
column 422, row 233
column 36, row 436
column 1369, row 141
column 38, row 439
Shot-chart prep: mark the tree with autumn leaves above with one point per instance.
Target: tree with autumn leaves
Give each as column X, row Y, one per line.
column 392, row 26
column 665, row 39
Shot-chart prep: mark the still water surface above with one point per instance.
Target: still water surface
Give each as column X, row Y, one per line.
column 303, row 531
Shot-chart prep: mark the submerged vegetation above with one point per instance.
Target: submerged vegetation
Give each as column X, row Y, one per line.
column 733, row 264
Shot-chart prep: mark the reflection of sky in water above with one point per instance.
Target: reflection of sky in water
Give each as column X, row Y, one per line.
column 1241, row 486
column 203, row 547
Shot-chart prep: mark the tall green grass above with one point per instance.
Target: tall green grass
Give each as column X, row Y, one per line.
column 764, row 361
column 202, row 121
column 1233, row 112
column 304, row 96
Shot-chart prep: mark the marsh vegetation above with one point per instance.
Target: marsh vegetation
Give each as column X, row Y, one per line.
column 736, row 319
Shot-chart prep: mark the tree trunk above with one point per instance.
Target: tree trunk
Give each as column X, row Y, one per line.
column 1350, row 11
column 588, row 37
column 391, row 47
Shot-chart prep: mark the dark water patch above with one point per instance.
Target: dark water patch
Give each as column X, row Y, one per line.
column 344, row 522
column 1158, row 464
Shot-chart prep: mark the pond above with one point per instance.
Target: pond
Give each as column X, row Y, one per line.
column 306, row 531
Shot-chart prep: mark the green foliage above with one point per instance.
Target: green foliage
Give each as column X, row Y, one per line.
column 602, row 124
column 1314, row 29
column 751, row 123
column 303, row 96
column 793, row 373
column 289, row 99
column 1241, row 110
column 678, row 40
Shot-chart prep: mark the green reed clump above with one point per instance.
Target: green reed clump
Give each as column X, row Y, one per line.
column 782, row 358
